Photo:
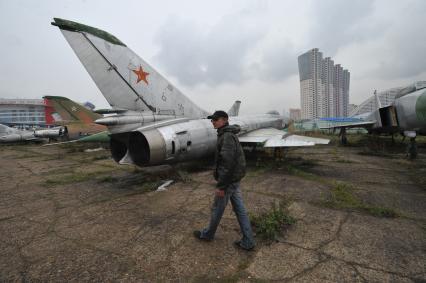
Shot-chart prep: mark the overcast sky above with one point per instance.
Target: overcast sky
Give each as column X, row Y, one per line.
column 218, row 51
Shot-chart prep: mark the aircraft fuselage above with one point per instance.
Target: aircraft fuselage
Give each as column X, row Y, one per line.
column 184, row 141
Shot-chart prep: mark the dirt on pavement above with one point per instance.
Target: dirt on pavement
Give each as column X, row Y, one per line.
column 70, row 215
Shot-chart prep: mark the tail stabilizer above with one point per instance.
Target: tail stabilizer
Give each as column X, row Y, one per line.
column 378, row 103
column 235, row 108
column 63, row 110
column 126, row 80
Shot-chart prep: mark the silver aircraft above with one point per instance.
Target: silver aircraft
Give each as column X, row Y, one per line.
column 9, row 135
column 153, row 122
column 406, row 115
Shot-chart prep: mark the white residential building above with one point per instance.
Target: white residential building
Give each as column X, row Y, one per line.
column 324, row 87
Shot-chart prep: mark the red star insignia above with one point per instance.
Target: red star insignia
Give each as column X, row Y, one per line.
column 141, row 75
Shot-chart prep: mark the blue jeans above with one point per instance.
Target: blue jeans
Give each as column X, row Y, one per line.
column 232, row 193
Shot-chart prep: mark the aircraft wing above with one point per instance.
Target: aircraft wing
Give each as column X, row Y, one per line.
column 363, row 124
column 271, row 137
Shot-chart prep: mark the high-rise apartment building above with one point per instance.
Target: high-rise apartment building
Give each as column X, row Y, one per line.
column 328, row 87
column 338, row 91
column 310, row 65
column 346, row 82
column 324, row 87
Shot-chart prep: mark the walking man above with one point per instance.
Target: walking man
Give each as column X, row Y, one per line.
column 229, row 170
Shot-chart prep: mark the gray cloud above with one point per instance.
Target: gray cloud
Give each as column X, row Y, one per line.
column 224, row 52
column 253, row 49
column 210, row 55
column 279, row 62
column 338, row 23
column 389, row 34
column 404, row 44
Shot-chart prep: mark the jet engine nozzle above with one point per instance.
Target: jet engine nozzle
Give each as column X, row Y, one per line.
column 147, row 148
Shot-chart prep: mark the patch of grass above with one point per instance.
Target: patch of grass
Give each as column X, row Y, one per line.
column 150, row 186
column 307, row 163
column 69, row 178
column 28, row 155
column 375, row 153
column 226, row 279
column 200, row 165
column 133, row 181
column 184, row 176
column 74, row 149
column 342, row 197
column 50, row 157
column 108, row 179
column 101, row 157
column 256, row 171
column 136, row 181
column 59, row 171
column 243, row 264
column 344, row 161
column 380, row 211
column 79, row 147
column 270, row 224
column 258, row 280
column 297, row 171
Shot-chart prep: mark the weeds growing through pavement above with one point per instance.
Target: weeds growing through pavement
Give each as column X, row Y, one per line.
column 341, row 196
column 270, row 224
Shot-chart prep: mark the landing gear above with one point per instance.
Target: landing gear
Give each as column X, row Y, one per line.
column 279, row 154
column 412, row 146
column 412, row 149
column 342, row 135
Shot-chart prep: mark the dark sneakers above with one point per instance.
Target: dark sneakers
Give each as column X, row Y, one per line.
column 240, row 246
column 197, row 234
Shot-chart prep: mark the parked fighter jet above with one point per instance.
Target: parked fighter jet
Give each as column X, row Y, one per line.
column 153, row 122
column 8, row 134
column 78, row 121
column 406, row 115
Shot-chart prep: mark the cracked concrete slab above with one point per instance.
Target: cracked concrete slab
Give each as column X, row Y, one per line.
column 113, row 227
column 389, row 245
column 315, row 226
column 371, row 275
column 281, row 261
column 330, row 271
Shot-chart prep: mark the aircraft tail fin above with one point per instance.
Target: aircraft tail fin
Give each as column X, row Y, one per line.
column 378, row 103
column 235, row 108
column 126, row 80
column 63, row 110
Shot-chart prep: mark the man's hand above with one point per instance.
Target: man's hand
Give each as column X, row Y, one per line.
column 220, row 193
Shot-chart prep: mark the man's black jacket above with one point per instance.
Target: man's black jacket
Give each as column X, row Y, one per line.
column 230, row 160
